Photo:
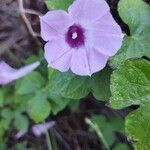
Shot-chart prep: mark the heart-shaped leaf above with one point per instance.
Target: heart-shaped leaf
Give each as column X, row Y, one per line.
column 130, row 85
column 136, row 14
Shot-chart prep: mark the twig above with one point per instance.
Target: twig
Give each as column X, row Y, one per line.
column 27, row 22
column 33, row 12
column 12, row 56
column 60, row 139
column 98, row 131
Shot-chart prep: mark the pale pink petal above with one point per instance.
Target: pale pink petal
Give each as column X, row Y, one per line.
column 40, row 129
column 88, row 10
column 54, row 24
column 97, row 61
column 9, row 74
column 107, row 44
column 106, row 24
column 105, row 35
column 19, row 135
column 79, row 62
column 5, row 73
column 25, row 70
column 6, row 67
column 58, row 55
column 4, row 79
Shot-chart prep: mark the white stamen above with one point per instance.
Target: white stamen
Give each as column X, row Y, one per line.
column 74, row 35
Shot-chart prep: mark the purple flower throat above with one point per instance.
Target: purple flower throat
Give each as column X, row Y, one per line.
column 75, row 36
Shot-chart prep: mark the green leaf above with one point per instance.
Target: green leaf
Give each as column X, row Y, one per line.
column 71, row 86
column 57, row 102
column 135, row 13
column 74, row 105
column 6, row 116
column 7, row 113
column 108, row 127
column 38, row 107
column 58, row 4
column 30, row 83
column 130, row 85
column 1, row 98
column 2, row 145
column 100, row 84
column 4, row 125
column 138, row 126
column 57, row 107
column 121, row 147
column 21, row 123
column 21, row 146
column 68, row 85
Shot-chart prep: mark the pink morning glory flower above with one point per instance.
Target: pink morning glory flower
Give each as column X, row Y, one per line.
column 81, row 39
column 9, row 74
column 40, row 129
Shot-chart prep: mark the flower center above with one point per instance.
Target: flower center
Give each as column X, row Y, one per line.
column 75, row 36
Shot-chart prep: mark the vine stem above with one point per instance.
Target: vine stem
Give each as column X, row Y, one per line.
column 98, row 132
column 48, row 140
